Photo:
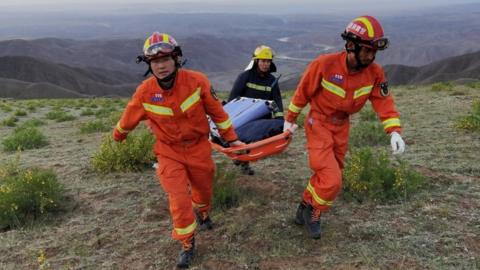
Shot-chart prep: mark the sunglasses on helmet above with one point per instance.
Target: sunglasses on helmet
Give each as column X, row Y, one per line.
column 377, row 44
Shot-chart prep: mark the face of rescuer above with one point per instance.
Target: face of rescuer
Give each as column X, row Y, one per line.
column 162, row 66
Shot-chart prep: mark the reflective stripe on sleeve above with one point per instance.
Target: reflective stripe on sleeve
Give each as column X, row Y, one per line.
column 225, row 124
column 391, row 122
column 120, row 129
column 292, row 107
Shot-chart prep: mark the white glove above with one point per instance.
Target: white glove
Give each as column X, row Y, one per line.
column 398, row 145
column 237, row 143
column 289, row 126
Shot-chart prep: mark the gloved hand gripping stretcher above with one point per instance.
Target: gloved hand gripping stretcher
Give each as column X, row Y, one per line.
column 264, row 137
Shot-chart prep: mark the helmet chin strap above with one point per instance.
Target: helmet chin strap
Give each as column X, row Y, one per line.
column 167, row 82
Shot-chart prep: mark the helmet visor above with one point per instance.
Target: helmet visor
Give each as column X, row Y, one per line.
column 377, row 44
column 159, row 48
column 380, row 44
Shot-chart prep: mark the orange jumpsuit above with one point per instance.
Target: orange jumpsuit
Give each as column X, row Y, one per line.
column 178, row 118
column 333, row 94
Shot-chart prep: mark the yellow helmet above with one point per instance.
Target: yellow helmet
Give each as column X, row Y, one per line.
column 263, row 52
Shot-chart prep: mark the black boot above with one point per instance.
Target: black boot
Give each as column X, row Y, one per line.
column 246, row 169
column 299, row 214
column 186, row 255
column 204, row 221
column 311, row 220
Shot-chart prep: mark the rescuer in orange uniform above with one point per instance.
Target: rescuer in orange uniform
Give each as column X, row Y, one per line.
column 337, row 85
column 176, row 102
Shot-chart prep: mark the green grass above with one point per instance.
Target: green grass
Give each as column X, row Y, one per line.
column 371, row 175
column 59, row 115
column 134, row 154
column 472, row 120
column 33, row 122
column 87, row 112
column 95, row 126
column 10, row 121
column 122, row 218
column 24, row 138
column 368, row 134
column 27, row 194
column 20, row 113
column 226, row 192
column 442, row 86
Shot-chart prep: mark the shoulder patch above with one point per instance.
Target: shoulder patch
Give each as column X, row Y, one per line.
column 214, row 95
column 384, row 89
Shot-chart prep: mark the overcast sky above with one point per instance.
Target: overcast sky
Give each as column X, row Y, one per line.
column 253, row 6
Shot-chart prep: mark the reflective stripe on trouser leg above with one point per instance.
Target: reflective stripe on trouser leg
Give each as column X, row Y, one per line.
column 200, row 170
column 325, row 183
column 174, row 180
column 327, row 145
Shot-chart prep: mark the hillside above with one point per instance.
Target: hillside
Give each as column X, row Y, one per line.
column 16, row 89
column 465, row 66
column 458, row 68
column 84, row 82
column 203, row 52
column 121, row 220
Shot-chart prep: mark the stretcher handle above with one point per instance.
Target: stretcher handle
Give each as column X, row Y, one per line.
column 248, row 147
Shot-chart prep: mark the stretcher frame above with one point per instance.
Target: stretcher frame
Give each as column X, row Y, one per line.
column 257, row 150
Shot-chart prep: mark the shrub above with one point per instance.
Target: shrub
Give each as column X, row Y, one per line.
column 114, row 117
column 59, row 115
column 34, row 122
column 31, row 108
column 6, row 108
column 372, row 176
column 27, row 194
column 368, row 134
column 135, row 154
column 87, row 112
column 367, row 114
column 475, row 85
column 226, row 193
column 10, row 121
column 442, row 86
column 20, row 113
column 104, row 112
column 471, row 121
column 95, row 126
column 24, row 138
column 476, row 107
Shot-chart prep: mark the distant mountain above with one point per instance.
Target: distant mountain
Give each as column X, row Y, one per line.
column 203, row 52
column 55, row 78
column 461, row 67
column 11, row 88
column 458, row 68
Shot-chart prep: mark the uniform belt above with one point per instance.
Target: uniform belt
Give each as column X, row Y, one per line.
column 332, row 119
column 187, row 142
column 190, row 141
